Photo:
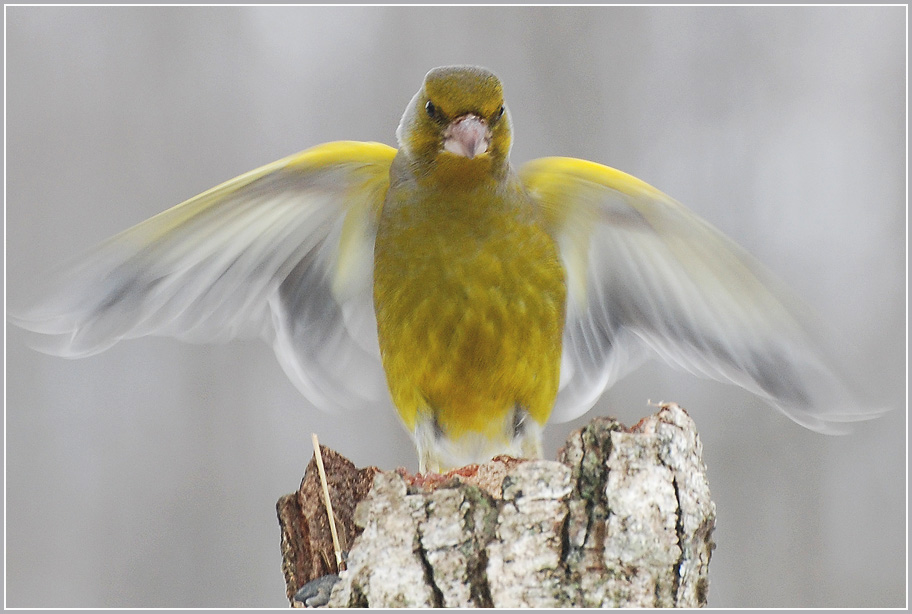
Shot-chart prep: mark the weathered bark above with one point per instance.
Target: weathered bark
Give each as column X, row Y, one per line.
column 624, row 518
column 307, row 548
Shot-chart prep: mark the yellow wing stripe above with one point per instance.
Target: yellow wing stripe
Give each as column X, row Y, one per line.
column 545, row 172
column 337, row 153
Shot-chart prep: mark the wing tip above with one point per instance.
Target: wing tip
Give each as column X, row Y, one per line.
column 835, row 419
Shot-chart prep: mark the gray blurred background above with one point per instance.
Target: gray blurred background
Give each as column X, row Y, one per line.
column 148, row 475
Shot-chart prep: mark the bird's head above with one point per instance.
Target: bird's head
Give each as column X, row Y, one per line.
column 457, row 122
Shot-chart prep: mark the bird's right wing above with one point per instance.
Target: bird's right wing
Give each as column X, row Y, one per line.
column 284, row 252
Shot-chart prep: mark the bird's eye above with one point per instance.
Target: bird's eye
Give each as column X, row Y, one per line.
column 431, row 110
column 498, row 114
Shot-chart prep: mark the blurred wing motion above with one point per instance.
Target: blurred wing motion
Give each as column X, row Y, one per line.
column 284, row 252
column 648, row 277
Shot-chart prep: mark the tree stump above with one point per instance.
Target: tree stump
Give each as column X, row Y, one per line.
column 622, row 519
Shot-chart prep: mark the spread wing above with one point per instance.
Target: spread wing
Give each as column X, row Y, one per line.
column 284, row 252
column 646, row 277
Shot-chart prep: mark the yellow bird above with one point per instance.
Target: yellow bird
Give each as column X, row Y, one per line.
column 482, row 301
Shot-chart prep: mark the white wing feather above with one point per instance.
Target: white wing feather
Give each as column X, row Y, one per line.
column 256, row 256
column 648, row 278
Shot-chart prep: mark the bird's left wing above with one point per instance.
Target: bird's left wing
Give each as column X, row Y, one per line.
column 646, row 277
column 284, row 252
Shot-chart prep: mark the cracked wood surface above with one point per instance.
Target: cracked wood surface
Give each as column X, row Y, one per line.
column 624, row 518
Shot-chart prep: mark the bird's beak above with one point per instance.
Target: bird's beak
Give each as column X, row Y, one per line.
column 467, row 136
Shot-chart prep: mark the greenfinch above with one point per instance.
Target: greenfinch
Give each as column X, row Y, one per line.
column 481, row 300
